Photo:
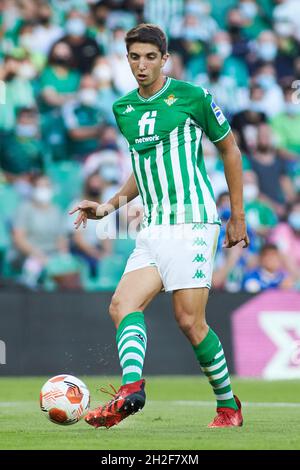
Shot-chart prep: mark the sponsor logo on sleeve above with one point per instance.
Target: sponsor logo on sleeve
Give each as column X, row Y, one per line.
column 218, row 113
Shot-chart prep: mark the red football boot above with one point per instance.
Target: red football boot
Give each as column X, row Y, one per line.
column 129, row 399
column 228, row 417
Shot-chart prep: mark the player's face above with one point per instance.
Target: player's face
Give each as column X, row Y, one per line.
column 146, row 62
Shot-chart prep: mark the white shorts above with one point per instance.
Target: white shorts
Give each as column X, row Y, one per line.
column 183, row 254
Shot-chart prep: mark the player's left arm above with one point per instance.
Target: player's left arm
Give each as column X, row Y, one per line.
column 236, row 230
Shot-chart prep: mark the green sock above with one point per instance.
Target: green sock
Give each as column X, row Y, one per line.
column 212, row 361
column 131, row 343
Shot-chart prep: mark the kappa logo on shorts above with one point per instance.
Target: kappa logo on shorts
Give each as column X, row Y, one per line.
column 199, row 226
column 199, row 274
column 199, row 242
column 199, row 259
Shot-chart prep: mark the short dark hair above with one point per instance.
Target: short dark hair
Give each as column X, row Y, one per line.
column 33, row 112
column 147, row 33
column 268, row 247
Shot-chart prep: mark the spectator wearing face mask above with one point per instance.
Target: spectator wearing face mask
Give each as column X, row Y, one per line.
column 22, row 147
column 58, row 82
column 273, row 101
column 233, row 66
column 87, row 243
column 107, row 94
column 230, row 264
column 235, row 24
column 286, row 237
column 286, row 126
column 18, row 92
column 98, row 28
column 260, row 216
column 254, row 18
column 84, row 49
column 123, row 79
column 269, row 48
column 228, row 95
column 38, row 231
column 194, row 34
column 83, row 119
column 247, row 122
column 45, row 33
column 274, row 183
column 286, row 18
column 263, row 50
column 269, row 273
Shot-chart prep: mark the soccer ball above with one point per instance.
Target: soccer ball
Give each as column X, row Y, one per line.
column 65, row 399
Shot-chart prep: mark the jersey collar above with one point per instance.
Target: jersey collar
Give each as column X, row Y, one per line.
column 157, row 94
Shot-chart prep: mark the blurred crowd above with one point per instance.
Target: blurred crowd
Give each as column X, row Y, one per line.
column 63, row 64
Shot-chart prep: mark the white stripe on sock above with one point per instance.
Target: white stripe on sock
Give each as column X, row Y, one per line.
column 131, row 369
column 215, row 367
column 218, row 376
column 133, row 356
column 132, row 327
column 224, row 396
column 223, row 384
column 219, row 354
column 128, row 335
column 132, row 344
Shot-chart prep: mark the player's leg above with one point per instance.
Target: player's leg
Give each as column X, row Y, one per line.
column 185, row 262
column 189, row 308
column 135, row 291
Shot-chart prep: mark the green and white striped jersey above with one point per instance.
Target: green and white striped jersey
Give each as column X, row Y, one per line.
column 164, row 138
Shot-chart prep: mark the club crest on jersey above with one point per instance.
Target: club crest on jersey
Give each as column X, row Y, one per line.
column 170, row 100
column 218, row 113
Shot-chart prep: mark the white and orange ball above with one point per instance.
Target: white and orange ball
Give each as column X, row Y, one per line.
column 64, row 399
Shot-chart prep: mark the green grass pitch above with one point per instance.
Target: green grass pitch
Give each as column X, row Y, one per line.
column 175, row 417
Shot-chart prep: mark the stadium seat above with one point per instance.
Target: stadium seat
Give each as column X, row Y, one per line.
column 219, row 10
column 123, row 247
column 111, row 270
column 67, row 179
column 10, row 201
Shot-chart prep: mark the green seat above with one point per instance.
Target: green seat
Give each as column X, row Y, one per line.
column 111, row 270
column 54, row 136
column 4, row 243
column 10, row 201
column 123, row 247
column 59, row 265
column 4, row 235
column 219, row 10
column 67, row 180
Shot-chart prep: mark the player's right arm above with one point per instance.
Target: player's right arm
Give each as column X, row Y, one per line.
column 93, row 210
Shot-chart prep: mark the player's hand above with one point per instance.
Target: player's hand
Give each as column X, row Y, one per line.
column 90, row 210
column 236, row 232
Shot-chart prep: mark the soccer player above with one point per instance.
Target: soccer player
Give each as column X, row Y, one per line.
column 163, row 122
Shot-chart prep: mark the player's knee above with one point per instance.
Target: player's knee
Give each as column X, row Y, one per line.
column 115, row 308
column 119, row 308
column 185, row 322
column 191, row 324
